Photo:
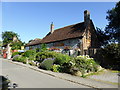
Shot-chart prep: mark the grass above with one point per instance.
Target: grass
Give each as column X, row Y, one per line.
column 114, row 83
column 95, row 73
column 114, row 71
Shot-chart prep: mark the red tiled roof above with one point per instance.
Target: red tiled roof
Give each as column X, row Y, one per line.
column 71, row 31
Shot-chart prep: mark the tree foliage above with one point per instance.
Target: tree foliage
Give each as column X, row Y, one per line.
column 7, row 37
column 113, row 28
column 102, row 36
column 0, row 44
column 16, row 45
column 111, row 55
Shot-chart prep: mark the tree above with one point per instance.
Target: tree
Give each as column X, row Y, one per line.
column 30, row 40
column 113, row 28
column 16, row 45
column 0, row 47
column 111, row 56
column 7, row 37
column 102, row 36
column 0, row 44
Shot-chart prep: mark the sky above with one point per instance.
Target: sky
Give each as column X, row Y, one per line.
column 32, row 19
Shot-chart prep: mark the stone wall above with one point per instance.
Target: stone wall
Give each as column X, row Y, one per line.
column 72, row 44
column 62, row 44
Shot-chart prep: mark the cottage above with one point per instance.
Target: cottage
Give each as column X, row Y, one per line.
column 76, row 39
column 33, row 44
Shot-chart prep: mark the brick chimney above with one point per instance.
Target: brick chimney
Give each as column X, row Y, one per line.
column 52, row 27
column 86, row 17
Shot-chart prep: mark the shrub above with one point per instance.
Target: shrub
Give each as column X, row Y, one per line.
column 66, row 67
column 20, row 58
column 47, row 64
column 111, row 56
column 85, row 64
column 15, row 53
column 40, row 56
column 56, row 68
column 23, row 59
column 30, row 54
column 59, row 58
column 62, row 58
column 16, row 58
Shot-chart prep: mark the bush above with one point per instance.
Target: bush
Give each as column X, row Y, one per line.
column 40, row 56
column 111, row 56
column 62, row 58
column 47, row 64
column 66, row 67
column 30, row 54
column 56, row 68
column 23, row 59
column 19, row 58
column 16, row 58
column 59, row 58
column 86, row 64
column 15, row 53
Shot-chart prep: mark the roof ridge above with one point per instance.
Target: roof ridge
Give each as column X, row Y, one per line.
column 67, row 26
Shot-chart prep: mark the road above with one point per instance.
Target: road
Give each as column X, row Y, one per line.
column 28, row 78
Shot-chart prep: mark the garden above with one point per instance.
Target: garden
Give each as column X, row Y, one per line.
column 58, row 62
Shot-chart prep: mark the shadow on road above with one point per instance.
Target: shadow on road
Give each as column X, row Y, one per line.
column 5, row 83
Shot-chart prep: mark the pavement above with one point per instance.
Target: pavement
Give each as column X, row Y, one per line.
column 107, row 76
column 102, row 81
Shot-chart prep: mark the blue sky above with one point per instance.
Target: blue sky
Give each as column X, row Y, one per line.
column 32, row 19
